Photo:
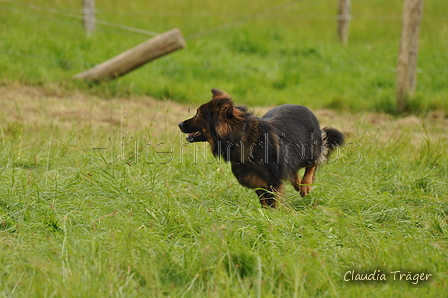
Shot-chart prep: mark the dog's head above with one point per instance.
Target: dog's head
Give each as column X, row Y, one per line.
column 212, row 119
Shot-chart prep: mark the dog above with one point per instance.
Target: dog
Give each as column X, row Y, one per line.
column 264, row 152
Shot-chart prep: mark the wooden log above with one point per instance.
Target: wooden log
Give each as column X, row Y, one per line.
column 344, row 20
column 131, row 59
column 408, row 52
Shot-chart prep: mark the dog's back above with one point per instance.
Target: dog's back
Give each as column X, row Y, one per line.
column 299, row 133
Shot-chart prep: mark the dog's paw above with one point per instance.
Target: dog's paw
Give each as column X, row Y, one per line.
column 305, row 189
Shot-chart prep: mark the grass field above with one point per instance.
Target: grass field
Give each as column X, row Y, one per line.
column 101, row 196
column 148, row 216
column 260, row 51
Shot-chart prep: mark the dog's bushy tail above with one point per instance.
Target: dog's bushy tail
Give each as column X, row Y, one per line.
column 331, row 138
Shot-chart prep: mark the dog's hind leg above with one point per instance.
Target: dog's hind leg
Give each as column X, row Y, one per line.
column 270, row 198
column 307, row 180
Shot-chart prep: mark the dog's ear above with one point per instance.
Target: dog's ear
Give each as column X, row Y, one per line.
column 218, row 94
column 231, row 113
column 228, row 110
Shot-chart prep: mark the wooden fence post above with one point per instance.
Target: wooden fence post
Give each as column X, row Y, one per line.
column 408, row 52
column 89, row 16
column 123, row 63
column 344, row 20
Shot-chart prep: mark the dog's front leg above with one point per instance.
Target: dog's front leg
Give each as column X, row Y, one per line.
column 269, row 198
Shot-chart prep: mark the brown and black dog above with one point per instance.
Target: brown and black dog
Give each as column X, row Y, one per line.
column 265, row 151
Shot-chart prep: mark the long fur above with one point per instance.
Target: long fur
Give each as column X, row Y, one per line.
column 265, row 151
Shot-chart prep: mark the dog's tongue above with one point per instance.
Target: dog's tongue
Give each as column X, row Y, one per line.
column 191, row 136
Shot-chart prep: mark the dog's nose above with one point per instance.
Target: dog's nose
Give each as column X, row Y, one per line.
column 180, row 125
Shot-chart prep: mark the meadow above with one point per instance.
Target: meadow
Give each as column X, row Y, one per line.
column 262, row 52
column 101, row 196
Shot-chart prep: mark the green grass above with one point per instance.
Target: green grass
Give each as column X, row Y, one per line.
column 130, row 221
column 153, row 217
column 280, row 54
